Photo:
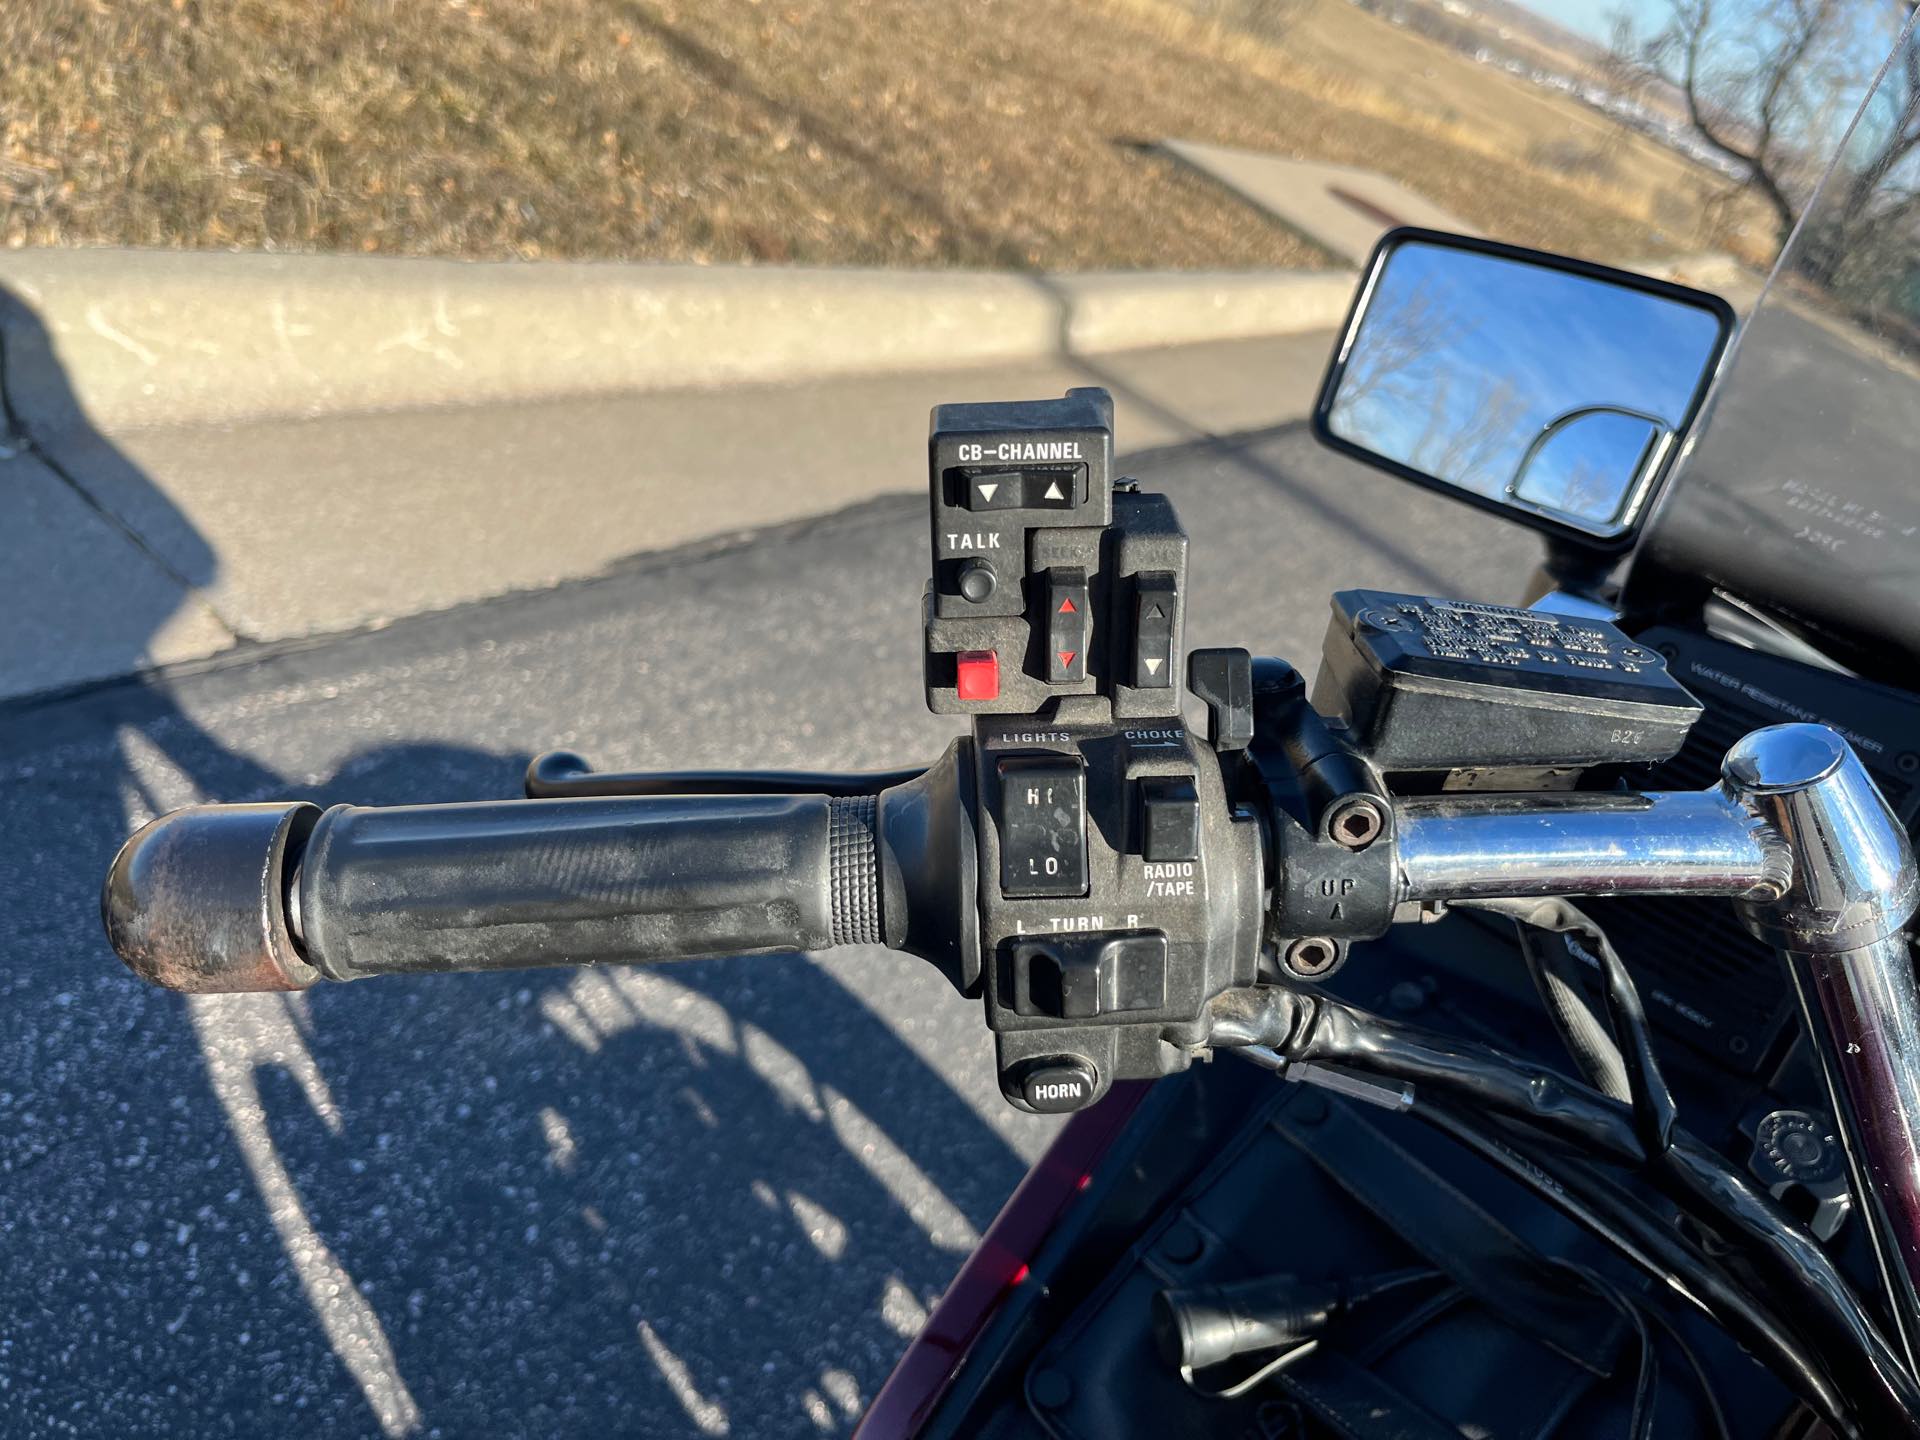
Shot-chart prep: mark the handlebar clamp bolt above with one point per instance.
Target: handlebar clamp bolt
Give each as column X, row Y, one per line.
column 1355, row 822
column 1311, row 956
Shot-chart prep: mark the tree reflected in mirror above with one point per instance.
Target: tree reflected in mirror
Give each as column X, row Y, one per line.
column 1542, row 385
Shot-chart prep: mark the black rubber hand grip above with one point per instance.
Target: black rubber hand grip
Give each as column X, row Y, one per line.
column 429, row 888
column 275, row 897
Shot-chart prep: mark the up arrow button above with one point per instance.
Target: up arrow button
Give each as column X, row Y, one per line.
column 1053, row 489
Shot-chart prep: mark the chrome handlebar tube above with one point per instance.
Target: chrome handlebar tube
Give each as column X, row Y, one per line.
column 1817, row 866
column 1840, row 926
column 1500, row 847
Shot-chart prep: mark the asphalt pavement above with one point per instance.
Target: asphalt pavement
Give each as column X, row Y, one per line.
column 697, row 1200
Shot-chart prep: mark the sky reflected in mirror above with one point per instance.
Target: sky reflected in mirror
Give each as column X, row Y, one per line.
column 1585, row 465
column 1464, row 360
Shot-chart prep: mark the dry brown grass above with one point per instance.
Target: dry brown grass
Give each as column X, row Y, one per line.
column 906, row 132
column 1554, row 148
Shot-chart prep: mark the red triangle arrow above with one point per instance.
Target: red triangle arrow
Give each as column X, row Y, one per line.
column 1066, row 607
column 1066, row 658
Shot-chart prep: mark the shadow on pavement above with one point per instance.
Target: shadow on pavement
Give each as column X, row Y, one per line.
column 667, row 1201
column 562, row 1202
column 113, row 618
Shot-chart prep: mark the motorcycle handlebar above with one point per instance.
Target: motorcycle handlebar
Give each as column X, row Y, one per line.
column 1586, row 843
column 275, row 897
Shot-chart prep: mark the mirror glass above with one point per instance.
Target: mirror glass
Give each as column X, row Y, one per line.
column 1553, row 392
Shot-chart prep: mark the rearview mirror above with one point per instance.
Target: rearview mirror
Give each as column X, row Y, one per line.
column 1548, row 389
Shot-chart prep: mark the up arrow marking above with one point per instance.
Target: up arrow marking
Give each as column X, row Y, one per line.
column 986, row 490
column 1153, row 666
column 1154, row 612
column 1053, row 492
column 1066, row 606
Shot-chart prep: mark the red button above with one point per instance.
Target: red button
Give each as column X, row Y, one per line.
column 979, row 675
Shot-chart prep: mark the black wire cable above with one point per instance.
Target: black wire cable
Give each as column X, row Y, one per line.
column 1695, row 1177
column 1647, row 1376
column 1692, row 1357
column 1642, row 1311
column 1583, row 1030
column 1572, row 1185
column 1316, row 1027
column 560, row 774
column 1654, row 1111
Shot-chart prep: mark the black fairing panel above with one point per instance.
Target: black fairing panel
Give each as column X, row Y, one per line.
column 1438, row 1362
column 1800, row 493
column 1080, row 1362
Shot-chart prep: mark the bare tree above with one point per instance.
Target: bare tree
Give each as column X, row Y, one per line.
column 1866, row 231
column 1770, row 84
column 1402, row 336
column 1473, row 444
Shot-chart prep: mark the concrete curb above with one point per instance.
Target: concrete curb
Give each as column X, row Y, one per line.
column 119, row 339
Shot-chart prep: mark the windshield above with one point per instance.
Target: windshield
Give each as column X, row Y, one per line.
column 1800, row 492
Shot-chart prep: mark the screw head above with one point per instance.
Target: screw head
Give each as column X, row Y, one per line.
column 1355, row 822
column 1310, row 956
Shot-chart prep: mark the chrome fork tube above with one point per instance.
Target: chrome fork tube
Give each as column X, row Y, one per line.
column 1839, row 926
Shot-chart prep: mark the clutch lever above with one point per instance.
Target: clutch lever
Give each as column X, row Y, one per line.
column 561, row 774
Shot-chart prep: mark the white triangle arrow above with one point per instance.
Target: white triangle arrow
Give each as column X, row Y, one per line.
column 1153, row 666
column 986, row 491
column 1053, row 491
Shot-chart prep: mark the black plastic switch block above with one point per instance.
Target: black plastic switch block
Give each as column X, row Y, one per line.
column 1154, row 599
column 1066, row 602
column 1043, row 826
column 1169, row 819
